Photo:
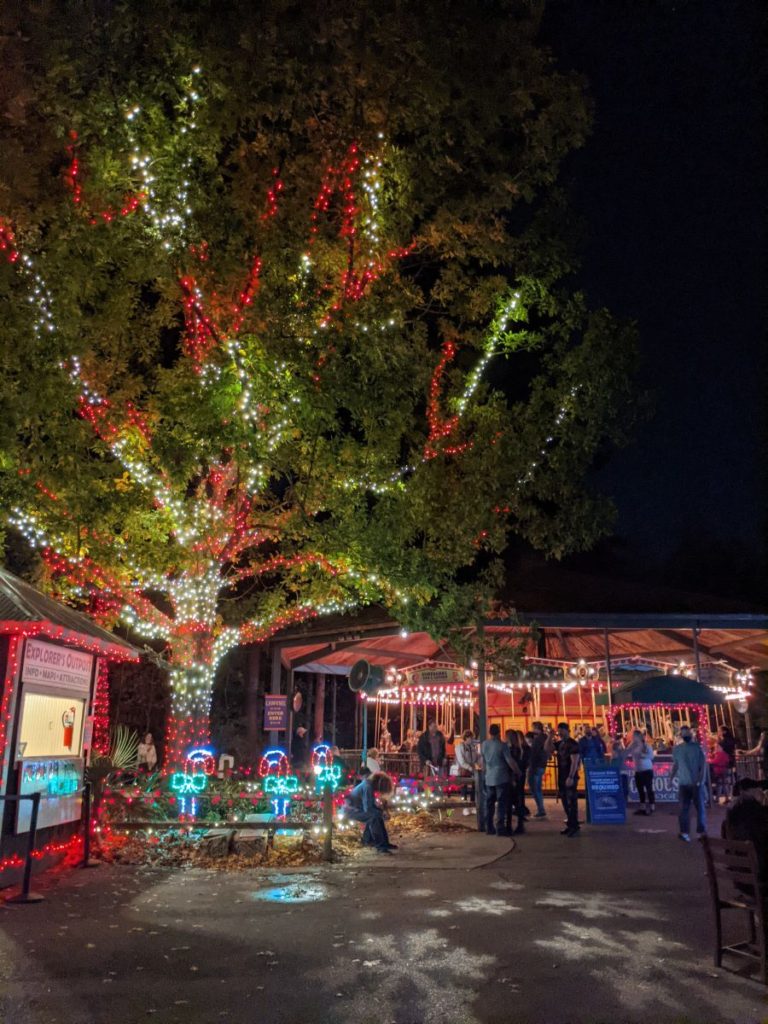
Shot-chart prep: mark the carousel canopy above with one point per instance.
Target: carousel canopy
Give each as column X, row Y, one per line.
column 732, row 641
column 667, row 690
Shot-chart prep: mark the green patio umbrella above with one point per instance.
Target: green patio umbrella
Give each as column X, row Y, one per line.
column 667, row 690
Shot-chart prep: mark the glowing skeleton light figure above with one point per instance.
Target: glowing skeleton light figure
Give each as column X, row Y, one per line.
column 327, row 774
column 198, row 765
column 275, row 771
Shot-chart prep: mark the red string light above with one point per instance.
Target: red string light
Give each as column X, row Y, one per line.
column 73, row 182
column 439, row 428
column 101, row 709
column 67, row 846
column 8, row 242
column 9, row 683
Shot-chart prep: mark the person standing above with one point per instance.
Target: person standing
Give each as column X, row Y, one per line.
column 689, row 766
column 619, row 755
column 431, row 748
column 598, row 747
column 728, row 743
column 641, row 752
column 515, row 792
column 467, row 760
column 499, row 770
column 147, row 754
column 568, row 760
column 360, row 805
column 541, row 751
column 720, row 765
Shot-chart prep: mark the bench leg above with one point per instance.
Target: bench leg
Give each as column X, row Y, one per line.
column 752, row 931
column 718, row 937
column 762, row 943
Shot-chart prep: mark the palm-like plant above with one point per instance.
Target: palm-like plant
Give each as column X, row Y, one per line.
column 122, row 757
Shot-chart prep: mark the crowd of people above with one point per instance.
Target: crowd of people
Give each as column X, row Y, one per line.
column 510, row 762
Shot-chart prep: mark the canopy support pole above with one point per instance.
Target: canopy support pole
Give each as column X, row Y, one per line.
column 696, row 652
column 482, row 707
column 608, row 675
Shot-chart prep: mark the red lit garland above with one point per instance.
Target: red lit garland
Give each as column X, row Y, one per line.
column 9, row 683
column 72, row 180
column 100, row 741
column 439, row 428
column 8, row 242
column 67, row 846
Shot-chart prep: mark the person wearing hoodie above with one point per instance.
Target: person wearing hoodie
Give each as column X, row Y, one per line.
column 641, row 752
column 689, row 766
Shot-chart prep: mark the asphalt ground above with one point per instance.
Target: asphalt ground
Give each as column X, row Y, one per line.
column 613, row 926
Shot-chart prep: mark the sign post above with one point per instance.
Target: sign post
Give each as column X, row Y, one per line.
column 275, row 712
column 605, row 797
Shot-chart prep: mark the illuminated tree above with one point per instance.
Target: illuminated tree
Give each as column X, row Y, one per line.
column 264, row 439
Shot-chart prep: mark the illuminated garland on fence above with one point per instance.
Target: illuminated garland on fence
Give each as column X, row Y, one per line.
column 50, row 849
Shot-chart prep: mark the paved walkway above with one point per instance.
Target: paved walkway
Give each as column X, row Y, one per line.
column 611, row 927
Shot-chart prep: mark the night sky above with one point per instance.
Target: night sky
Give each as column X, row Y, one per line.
column 671, row 187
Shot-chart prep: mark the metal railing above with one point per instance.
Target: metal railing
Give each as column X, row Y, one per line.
column 25, row 896
column 750, row 767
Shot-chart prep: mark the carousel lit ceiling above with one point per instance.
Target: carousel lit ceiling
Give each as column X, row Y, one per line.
column 733, row 642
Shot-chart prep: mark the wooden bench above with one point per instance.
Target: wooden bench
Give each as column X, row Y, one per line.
column 733, row 872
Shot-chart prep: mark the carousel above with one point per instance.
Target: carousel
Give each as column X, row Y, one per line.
column 661, row 705
column 656, row 696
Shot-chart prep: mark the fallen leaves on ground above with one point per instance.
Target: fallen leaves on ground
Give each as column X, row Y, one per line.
column 189, row 849
column 173, row 849
column 423, row 823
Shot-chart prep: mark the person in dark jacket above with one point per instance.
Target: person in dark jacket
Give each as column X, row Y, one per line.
column 431, row 748
column 360, row 805
column 542, row 744
column 728, row 743
column 520, row 753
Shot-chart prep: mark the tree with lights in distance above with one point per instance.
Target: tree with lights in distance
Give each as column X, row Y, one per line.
column 302, row 445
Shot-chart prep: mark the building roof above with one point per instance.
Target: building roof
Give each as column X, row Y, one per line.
column 733, row 641
column 26, row 610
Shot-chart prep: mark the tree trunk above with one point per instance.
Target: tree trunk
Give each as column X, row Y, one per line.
column 319, row 707
column 189, row 724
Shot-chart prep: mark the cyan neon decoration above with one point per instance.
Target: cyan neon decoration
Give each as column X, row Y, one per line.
column 275, row 771
column 327, row 774
column 198, row 765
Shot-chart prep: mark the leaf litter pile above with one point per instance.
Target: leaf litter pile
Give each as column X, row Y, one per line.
column 230, row 851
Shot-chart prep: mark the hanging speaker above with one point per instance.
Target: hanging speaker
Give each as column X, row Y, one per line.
column 366, row 678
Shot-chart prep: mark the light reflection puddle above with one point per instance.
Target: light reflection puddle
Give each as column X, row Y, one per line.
column 293, row 889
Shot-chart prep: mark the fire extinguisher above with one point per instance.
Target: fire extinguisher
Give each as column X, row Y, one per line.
column 68, row 721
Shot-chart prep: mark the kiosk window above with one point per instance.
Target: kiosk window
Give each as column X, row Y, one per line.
column 51, row 726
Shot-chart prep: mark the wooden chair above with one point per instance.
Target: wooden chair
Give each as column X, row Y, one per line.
column 733, row 872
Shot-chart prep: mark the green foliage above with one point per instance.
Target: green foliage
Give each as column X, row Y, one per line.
column 476, row 121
